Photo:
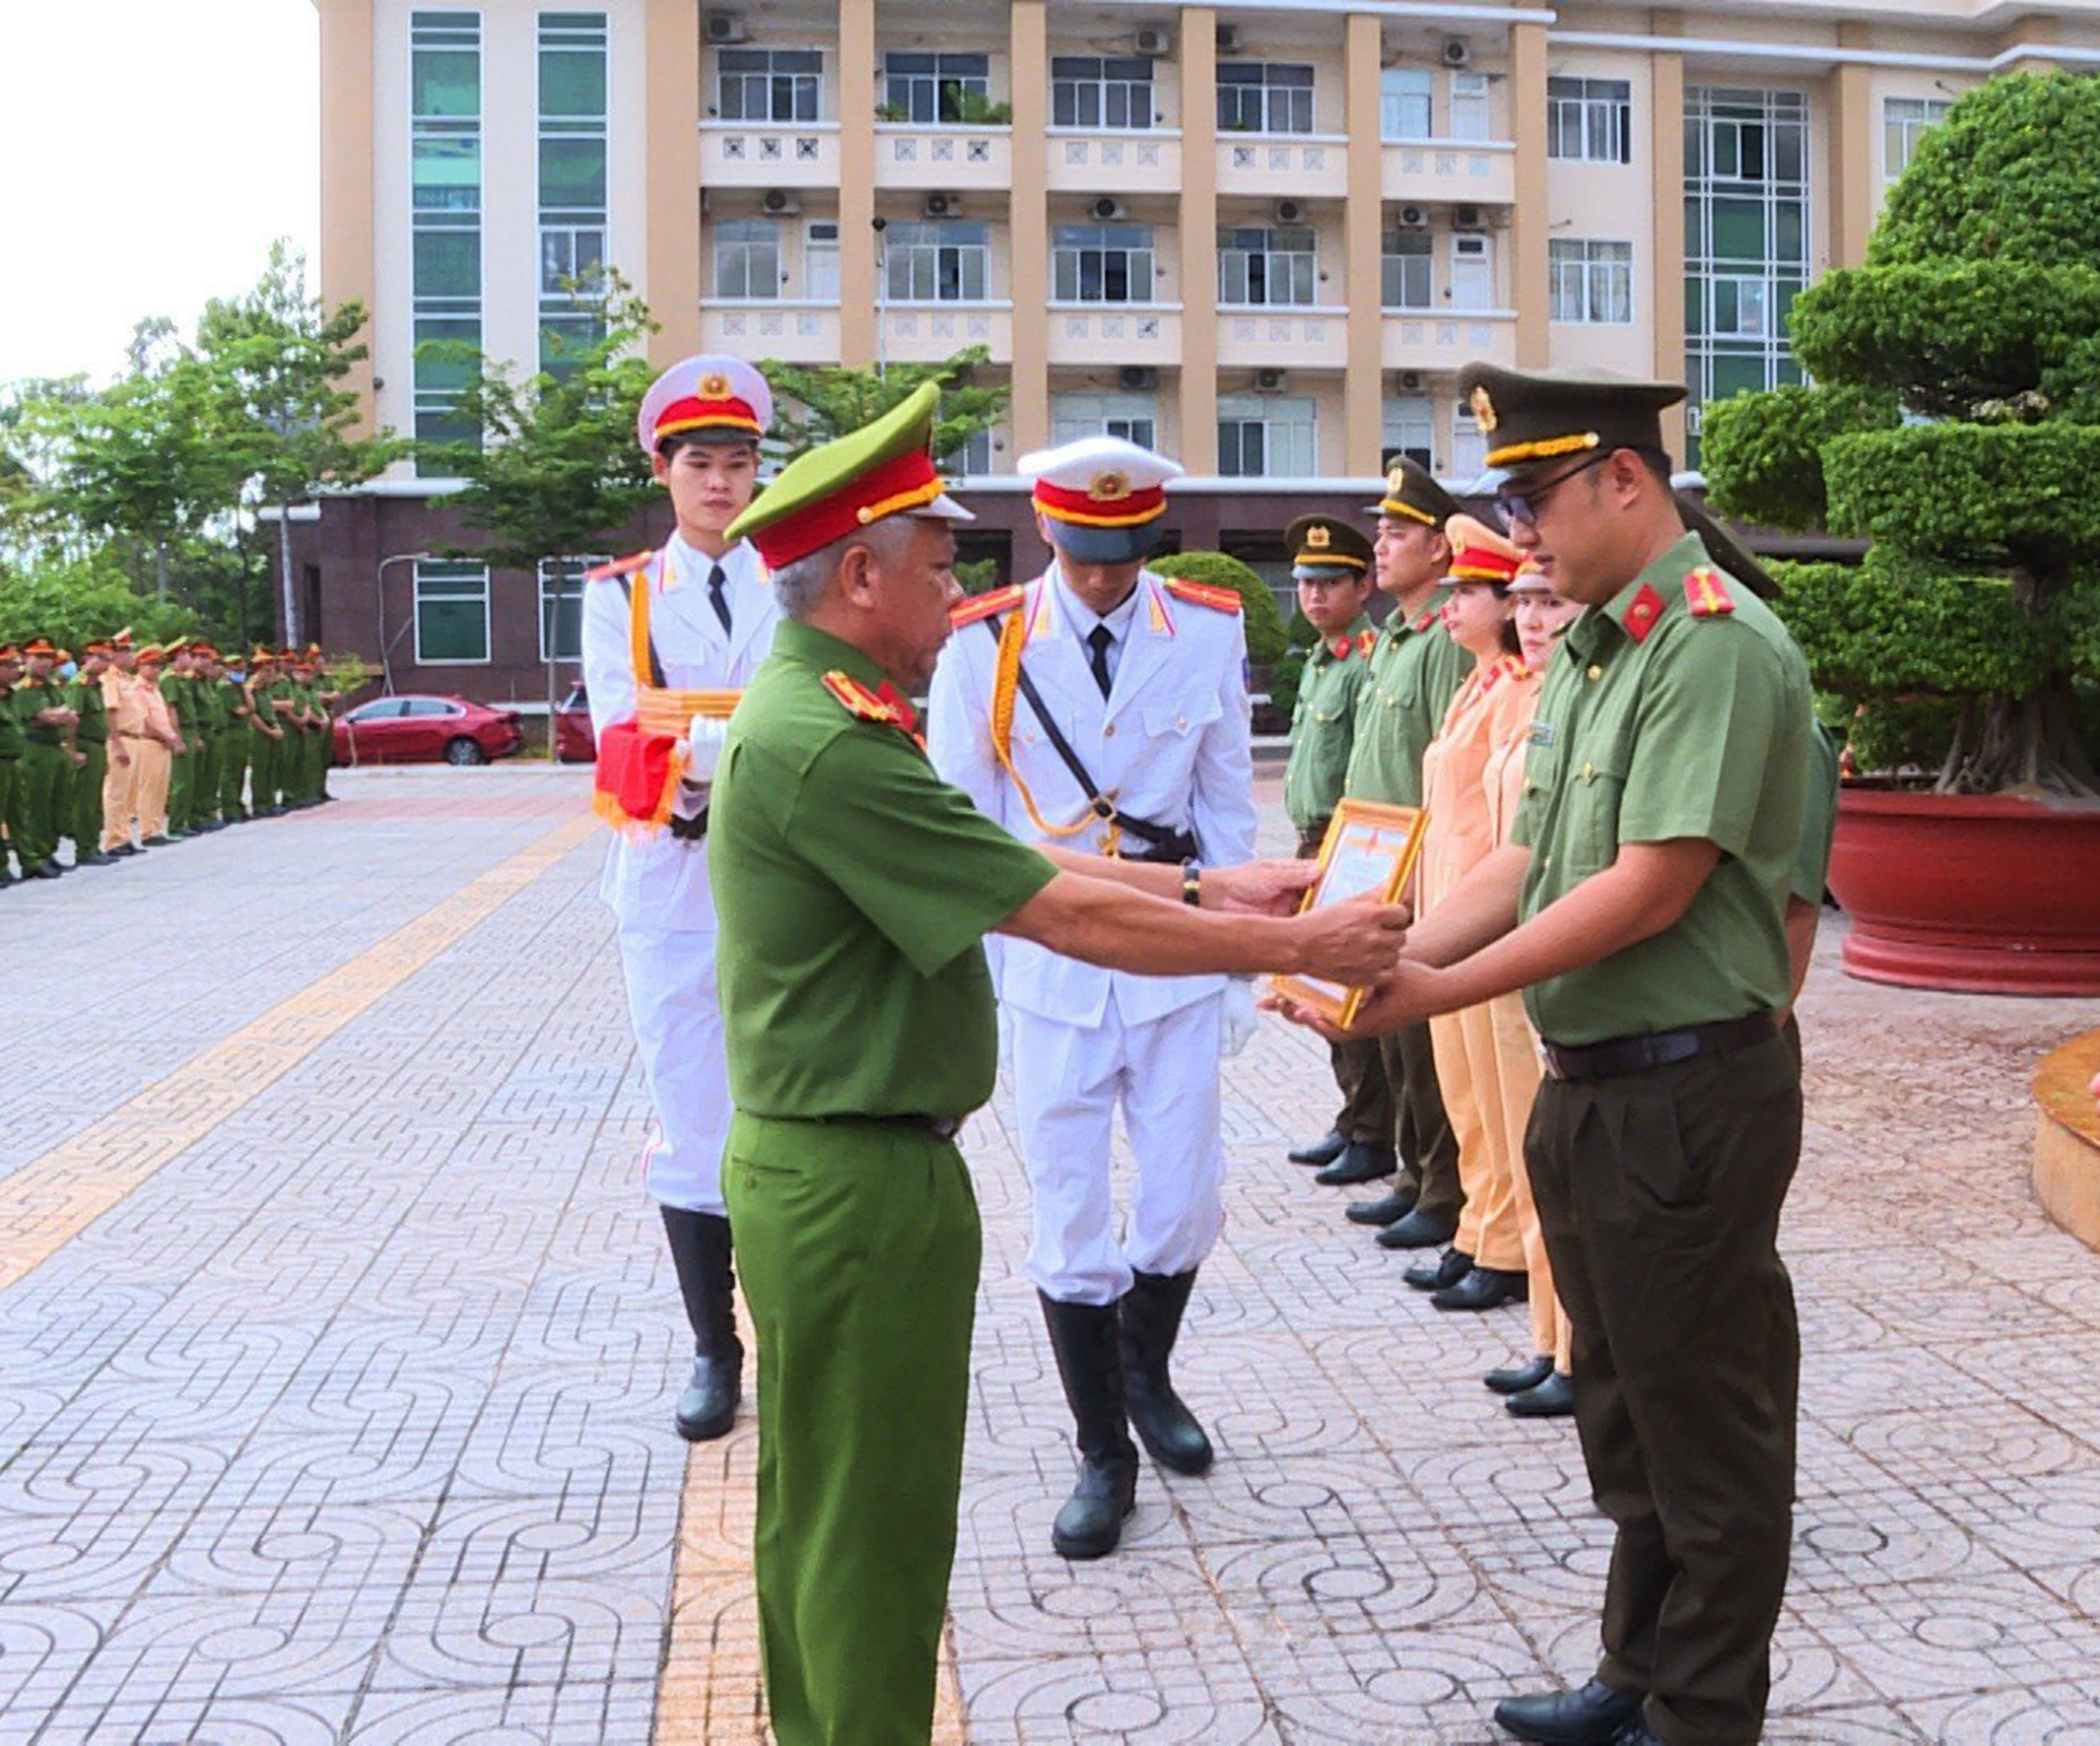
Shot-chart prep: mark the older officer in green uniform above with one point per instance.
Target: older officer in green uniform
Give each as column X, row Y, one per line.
column 853, row 887
column 90, row 740
column 1415, row 671
column 1331, row 565
column 1641, row 905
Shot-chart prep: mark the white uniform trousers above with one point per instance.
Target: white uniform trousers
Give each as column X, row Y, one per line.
column 1068, row 1080
column 678, row 1031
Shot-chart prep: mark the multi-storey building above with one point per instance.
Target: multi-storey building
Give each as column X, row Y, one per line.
column 1259, row 237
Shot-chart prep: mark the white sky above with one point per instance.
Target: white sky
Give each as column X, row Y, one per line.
column 149, row 152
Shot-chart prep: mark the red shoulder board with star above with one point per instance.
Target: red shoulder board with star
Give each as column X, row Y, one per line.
column 619, row 567
column 1643, row 614
column 1203, row 594
column 1366, row 641
column 1706, row 594
column 890, row 711
column 983, row 606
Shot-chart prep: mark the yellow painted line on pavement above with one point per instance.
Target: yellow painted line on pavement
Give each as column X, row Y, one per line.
column 56, row 1196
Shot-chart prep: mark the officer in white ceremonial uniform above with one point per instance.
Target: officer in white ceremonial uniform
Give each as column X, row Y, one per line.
column 703, row 622
column 1144, row 678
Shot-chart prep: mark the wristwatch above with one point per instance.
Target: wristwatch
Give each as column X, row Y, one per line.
column 1192, row 884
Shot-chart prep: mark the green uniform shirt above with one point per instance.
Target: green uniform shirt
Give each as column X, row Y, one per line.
column 265, row 693
column 232, row 699
column 1819, row 817
column 181, row 702
column 1416, row 670
column 85, row 697
column 1324, row 726
column 1697, row 727
column 33, row 695
column 13, row 738
column 854, row 888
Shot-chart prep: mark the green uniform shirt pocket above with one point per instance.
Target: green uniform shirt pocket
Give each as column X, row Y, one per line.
column 1594, row 783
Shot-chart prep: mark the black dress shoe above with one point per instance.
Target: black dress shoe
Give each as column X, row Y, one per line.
column 1592, row 1716
column 1325, row 1150
column 1637, row 1733
column 1419, row 1230
column 1448, row 1268
column 49, row 868
column 1554, row 1398
column 43, row 870
column 1484, row 1288
column 93, row 858
column 1388, row 1209
column 1519, row 1377
column 1358, row 1163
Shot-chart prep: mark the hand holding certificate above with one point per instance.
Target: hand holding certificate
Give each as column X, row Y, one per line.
column 1369, row 850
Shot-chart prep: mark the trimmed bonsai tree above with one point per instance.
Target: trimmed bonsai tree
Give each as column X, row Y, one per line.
column 1954, row 423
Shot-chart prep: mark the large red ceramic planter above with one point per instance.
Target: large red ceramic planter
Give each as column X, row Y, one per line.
column 1986, row 894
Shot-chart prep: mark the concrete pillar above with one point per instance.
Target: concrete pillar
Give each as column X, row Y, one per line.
column 672, row 199
column 1199, row 239
column 1030, row 228
column 1527, row 219
column 348, row 268
column 856, row 181
column 1363, row 221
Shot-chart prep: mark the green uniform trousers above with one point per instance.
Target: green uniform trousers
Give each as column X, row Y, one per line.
column 11, row 794
column 45, row 806
column 204, row 779
column 182, row 768
column 83, row 818
column 1421, row 1131
column 1660, row 1194
column 264, row 760
column 859, row 1244
column 232, row 770
column 1366, row 1117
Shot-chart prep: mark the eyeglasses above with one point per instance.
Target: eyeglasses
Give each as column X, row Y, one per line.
column 1524, row 506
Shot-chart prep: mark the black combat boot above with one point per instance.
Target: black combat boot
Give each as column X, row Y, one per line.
column 700, row 1249
column 1151, row 1319
column 1084, row 1337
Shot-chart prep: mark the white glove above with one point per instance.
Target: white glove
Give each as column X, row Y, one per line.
column 1236, row 1017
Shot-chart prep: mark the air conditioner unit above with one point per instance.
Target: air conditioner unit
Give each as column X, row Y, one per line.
column 779, row 202
column 1153, row 43
column 1413, row 218
column 940, row 206
column 1227, row 38
column 1271, row 381
column 1410, row 379
column 1105, row 209
column 725, row 29
column 1288, row 211
column 1137, row 376
column 1455, row 51
column 1466, row 218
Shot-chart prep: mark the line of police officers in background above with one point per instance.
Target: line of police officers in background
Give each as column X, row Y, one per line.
column 136, row 746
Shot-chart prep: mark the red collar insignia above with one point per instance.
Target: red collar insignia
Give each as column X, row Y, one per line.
column 1641, row 615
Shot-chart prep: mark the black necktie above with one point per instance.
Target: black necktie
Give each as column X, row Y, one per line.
column 717, row 582
column 1100, row 639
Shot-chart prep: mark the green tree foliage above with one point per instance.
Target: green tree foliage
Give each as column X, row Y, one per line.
column 71, row 600
column 814, row 403
column 1266, row 638
column 1976, row 313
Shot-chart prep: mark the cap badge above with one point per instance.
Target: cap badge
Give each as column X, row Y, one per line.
column 714, row 386
column 1484, row 414
column 1108, row 488
column 1317, row 538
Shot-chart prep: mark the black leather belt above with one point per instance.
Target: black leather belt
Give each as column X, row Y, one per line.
column 945, row 1127
column 1636, row 1054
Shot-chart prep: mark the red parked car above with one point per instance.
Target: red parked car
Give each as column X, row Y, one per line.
column 574, row 740
column 425, row 730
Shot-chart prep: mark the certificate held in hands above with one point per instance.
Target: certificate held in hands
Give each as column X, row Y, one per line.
column 1368, row 849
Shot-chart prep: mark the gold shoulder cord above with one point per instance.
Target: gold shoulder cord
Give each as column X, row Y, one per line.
column 1005, row 686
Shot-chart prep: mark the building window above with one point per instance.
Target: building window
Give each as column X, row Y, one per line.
column 747, row 258
column 1590, row 281
column 1133, row 417
column 1589, row 120
column 1266, row 265
column 1468, row 107
column 1468, row 446
column 971, row 461
column 1473, row 272
column 1088, row 91
column 452, row 613
column 444, row 219
column 1747, row 222
column 1266, row 435
column 562, row 607
column 1264, row 97
column 1101, row 263
column 1403, row 103
column 769, row 84
column 1410, row 429
column 820, row 260
column 1403, row 269
column 572, row 185
column 1905, row 120
column 928, row 89
column 938, row 262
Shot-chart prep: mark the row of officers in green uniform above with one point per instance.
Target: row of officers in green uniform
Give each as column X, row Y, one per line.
column 134, row 746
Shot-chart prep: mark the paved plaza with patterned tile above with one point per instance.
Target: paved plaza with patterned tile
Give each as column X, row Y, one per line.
column 338, row 1345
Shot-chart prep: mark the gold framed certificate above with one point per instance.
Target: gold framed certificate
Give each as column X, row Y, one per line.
column 1369, row 848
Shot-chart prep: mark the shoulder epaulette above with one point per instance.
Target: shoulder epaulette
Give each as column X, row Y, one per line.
column 1204, row 594
column 1706, row 594
column 983, row 606
column 619, row 567
column 857, row 698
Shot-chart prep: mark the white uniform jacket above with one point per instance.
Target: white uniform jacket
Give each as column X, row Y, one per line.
column 660, row 881
column 1169, row 744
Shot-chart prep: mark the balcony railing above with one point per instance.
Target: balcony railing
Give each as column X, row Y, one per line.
column 1312, row 335
column 759, row 155
column 1467, row 173
column 943, row 158
column 928, row 333
column 1094, row 334
column 1304, row 166
column 1443, row 339
column 1085, row 161
column 795, row 331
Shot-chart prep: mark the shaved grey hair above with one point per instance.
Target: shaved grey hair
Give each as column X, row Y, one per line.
column 800, row 586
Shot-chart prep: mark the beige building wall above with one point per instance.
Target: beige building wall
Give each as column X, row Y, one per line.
column 348, row 107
